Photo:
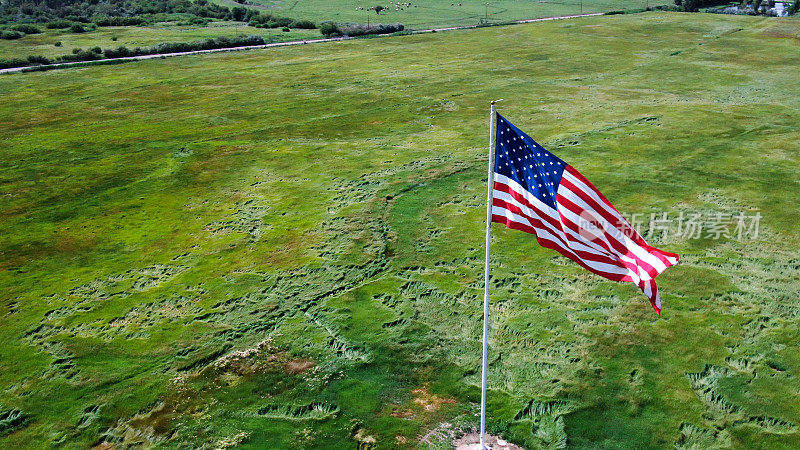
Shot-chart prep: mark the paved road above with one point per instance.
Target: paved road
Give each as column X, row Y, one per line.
column 279, row 44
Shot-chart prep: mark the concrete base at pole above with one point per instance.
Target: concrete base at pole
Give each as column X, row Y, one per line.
column 472, row 441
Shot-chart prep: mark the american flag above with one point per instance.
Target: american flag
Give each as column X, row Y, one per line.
column 536, row 192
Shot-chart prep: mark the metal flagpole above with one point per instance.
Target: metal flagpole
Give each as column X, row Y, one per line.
column 489, row 183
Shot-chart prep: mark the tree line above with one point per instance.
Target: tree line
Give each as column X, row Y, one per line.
column 127, row 12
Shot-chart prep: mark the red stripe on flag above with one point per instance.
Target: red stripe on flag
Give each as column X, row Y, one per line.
column 617, row 247
column 553, row 246
column 605, row 210
column 521, row 198
column 558, row 233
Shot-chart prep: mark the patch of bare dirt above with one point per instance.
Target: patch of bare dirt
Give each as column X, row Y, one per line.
column 472, row 441
column 428, row 401
column 297, row 366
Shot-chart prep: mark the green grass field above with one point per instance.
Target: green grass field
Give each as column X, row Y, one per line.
column 131, row 37
column 430, row 14
column 440, row 13
column 284, row 248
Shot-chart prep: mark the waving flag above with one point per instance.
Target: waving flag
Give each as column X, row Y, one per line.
column 536, row 192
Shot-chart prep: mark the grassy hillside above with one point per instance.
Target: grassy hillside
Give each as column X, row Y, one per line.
column 172, row 24
column 141, row 36
column 283, row 249
column 440, row 13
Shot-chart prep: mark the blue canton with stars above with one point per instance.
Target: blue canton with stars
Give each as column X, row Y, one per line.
column 521, row 159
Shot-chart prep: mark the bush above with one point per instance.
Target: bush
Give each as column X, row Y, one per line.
column 58, row 44
column 354, row 29
column 206, row 44
column 77, row 28
column 81, row 55
column 303, row 25
column 96, row 54
column 390, row 28
column 329, row 29
column 38, row 60
column 795, row 8
column 286, row 29
column 9, row 63
column 119, row 52
column 58, row 24
column 27, row 29
column 695, row 5
column 269, row 21
column 119, row 21
column 239, row 13
column 9, row 35
column 76, row 18
column 279, row 22
column 44, row 68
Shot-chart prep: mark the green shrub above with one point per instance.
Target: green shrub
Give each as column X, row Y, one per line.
column 263, row 20
column 239, row 13
column 175, row 47
column 81, row 55
column 38, row 60
column 9, row 63
column 9, row 35
column 672, row 8
column 282, row 22
column 695, row 5
column 355, row 29
column 76, row 18
column 119, row 21
column 58, row 44
column 286, row 29
column 303, row 25
column 329, row 29
column 119, row 52
column 58, row 24
column 96, row 53
column 77, row 28
column 26, row 28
